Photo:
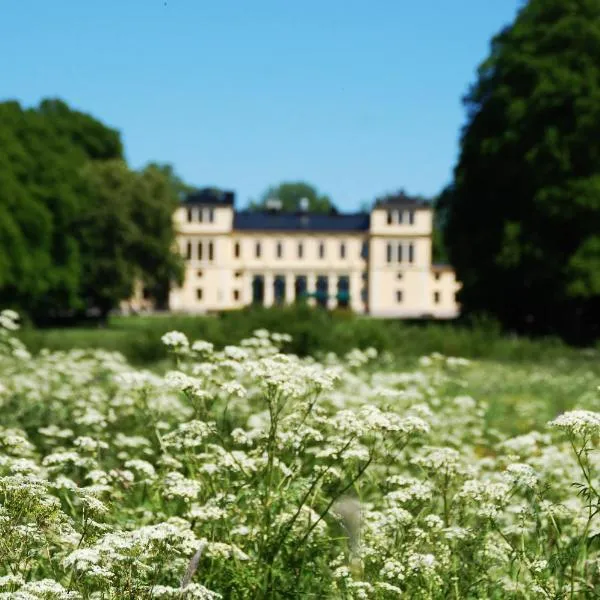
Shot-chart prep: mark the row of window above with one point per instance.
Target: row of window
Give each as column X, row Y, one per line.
column 200, row 215
column 279, row 250
column 204, row 251
column 301, row 292
column 400, row 252
column 399, row 217
column 437, row 298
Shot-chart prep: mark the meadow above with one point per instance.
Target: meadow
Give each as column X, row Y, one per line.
column 358, row 459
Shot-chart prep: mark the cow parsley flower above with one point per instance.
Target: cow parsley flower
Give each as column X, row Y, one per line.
column 578, row 422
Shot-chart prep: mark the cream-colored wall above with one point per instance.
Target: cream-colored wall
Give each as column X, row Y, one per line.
column 444, row 282
column 227, row 273
column 384, row 279
column 423, row 221
column 222, row 223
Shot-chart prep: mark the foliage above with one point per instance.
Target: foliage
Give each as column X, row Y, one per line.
column 71, row 214
column 313, row 332
column 523, row 212
column 290, row 194
column 246, row 473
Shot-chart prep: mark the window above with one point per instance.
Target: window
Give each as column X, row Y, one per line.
column 437, row 276
column 200, row 250
column 279, row 250
column 190, row 216
column 321, row 250
column 279, row 289
column 389, row 217
column 199, row 274
column 364, row 295
column 211, row 252
column 199, row 293
column 300, row 287
column 364, row 251
column 188, row 252
column 257, row 250
column 399, row 250
column 236, row 294
column 398, row 296
column 389, row 253
column 343, row 291
column 236, row 249
column 211, row 215
column 200, row 215
column 365, row 276
column 411, row 217
column 400, row 216
column 342, row 250
column 411, row 252
column 322, row 291
column 436, row 297
column 300, row 250
column 399, row 276
column 238, row 273
column 258, row 289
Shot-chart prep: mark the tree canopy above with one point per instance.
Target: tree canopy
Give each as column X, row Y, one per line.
column 290, row 194
column 77, row 226
column 522, row 216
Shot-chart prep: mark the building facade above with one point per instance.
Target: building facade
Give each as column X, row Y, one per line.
column 376, row 263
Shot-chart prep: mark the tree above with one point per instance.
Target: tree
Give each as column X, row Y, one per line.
column 522, row 217
column 156, row 195
column 290, row 194
column 125, row 233
column 77, row 226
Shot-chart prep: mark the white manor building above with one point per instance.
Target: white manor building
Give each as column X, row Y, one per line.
column 376, row 263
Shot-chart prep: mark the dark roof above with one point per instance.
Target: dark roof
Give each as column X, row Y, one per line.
column 210, row 196
column 281, row 221
column 401, row 199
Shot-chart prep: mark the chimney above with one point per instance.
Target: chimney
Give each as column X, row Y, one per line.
column 273, row 204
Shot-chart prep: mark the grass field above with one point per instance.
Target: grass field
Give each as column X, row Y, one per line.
column 239, row 471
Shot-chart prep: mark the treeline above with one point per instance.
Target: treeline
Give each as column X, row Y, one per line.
column 521, row 218
column 77, row 226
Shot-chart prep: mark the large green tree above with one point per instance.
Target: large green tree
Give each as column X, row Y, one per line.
column 76, row 225
column 522, row 216
column 291, row 193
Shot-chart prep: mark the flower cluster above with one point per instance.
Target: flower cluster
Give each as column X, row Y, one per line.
column 245, row 472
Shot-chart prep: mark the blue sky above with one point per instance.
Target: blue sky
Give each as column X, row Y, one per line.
column 358, row 97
